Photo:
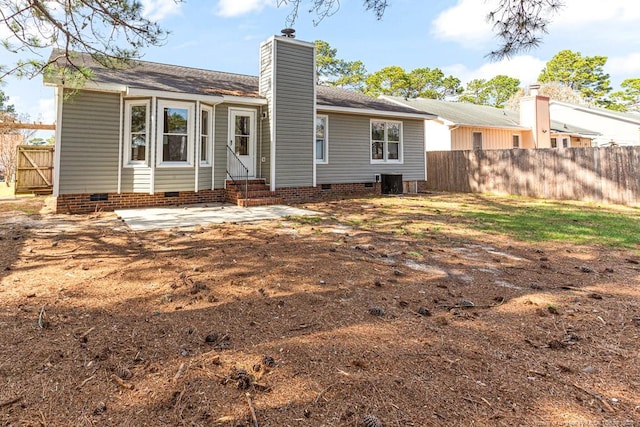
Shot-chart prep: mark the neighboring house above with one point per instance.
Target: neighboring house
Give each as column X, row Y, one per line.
column 466, row 126
column 615, row 128
column 158, row 134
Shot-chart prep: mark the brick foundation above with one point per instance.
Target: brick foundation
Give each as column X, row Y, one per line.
column 335, row 191
column 84, row 203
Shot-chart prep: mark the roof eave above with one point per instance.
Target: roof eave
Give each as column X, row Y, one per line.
column 374, row 112
column 89, row 85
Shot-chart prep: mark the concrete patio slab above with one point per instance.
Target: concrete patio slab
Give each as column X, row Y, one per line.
column 191, row 216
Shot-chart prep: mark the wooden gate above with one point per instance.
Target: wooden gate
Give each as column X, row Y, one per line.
column 34, row 172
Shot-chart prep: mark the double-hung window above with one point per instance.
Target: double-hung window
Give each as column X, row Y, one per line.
column 206, row 118
column 322, row 134
column 386, row 141
column 136, row 132
column 175, row 133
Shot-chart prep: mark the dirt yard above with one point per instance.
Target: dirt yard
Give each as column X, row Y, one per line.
column 380, row 312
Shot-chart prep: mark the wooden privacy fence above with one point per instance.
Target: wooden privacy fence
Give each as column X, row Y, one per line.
column 34, row 171
column 610, row 174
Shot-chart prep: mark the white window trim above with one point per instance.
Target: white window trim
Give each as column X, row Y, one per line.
column 326, row 140
column 209, row 109
column 386, row 160
column 191, row 131
column 128, row 104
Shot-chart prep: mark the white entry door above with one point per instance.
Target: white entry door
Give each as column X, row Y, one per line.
column 242, row 137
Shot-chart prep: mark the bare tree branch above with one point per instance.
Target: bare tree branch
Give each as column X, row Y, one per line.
column 520, row 24
column 113, row 32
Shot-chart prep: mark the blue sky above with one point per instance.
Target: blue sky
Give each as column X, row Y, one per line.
column 452, row 35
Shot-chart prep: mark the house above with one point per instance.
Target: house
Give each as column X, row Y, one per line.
column 615, row 128
column 466, row 126
column 157, row 134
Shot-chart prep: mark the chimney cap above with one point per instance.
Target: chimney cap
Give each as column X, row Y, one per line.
column 289, row 33
column 533, row 89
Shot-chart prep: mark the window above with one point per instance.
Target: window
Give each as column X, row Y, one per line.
column 386, row 142
column 477, row 141
column 321, row 139
column 206, row 118
column 516, row 141
column 136, row 132
column 175, row 133
column 565, row 142
column 242, row 134
column 554, row 142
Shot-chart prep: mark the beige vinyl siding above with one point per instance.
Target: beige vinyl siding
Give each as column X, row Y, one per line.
column 174, row 179
column 204, row 178
column 265, row 83
column 264, row 146
column 221, row 136
column 136, row 180
column 350, row 153
column 89, row 149
column 492, row 139
column 294, row 114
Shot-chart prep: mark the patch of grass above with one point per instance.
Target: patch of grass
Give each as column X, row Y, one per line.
column 555, row 221
column 304, row 219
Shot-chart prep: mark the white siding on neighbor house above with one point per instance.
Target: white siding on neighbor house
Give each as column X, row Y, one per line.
column 622, row 132
column 350, row 152
column 294, row 99
column 438, row 135
column 89, row 143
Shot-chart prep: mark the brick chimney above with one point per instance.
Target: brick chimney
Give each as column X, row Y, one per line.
column 534, row 113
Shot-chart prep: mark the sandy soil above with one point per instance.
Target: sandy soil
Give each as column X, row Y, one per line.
column 312, row 322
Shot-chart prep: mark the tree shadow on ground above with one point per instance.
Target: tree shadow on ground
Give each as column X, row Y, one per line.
column 176, row 315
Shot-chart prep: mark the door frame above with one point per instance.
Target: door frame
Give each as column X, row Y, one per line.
column 250, row 163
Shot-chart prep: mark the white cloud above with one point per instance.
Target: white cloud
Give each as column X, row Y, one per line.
column 584, row 12
column 46, row 112
column 524, row 67
column 157, row 10
column 464, row 23
column 231, row 8
column 626, row 65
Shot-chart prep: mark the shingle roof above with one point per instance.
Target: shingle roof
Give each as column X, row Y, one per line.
column 464, row 113
column 339, row 97
column 179, row 79
column 633, row 117
column 467, row 114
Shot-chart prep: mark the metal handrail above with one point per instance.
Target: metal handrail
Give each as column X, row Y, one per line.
column 237, row 172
